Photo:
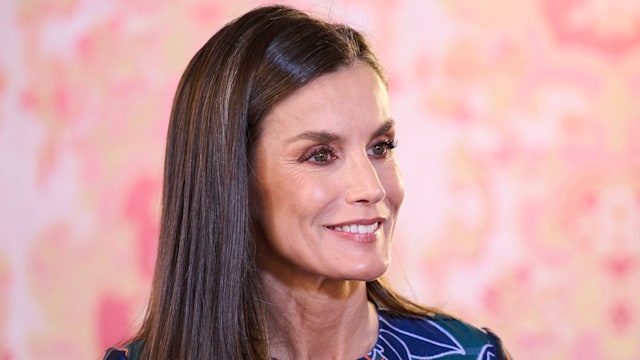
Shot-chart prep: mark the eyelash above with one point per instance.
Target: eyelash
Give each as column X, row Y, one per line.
column 389, row 144
column 319, row 150
column 324, row 149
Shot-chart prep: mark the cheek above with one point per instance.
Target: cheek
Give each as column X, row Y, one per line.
column 392, row 183
column 312, row 193
column 298, row 195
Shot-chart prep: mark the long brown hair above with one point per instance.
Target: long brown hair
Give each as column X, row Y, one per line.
column 206, row 299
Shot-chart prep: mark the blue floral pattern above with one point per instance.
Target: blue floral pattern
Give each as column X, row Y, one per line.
column 428, row 338
column 401, row 338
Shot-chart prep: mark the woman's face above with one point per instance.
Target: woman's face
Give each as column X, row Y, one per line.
column 328, row 179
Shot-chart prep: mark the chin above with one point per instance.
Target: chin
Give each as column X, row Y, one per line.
column 370, row 272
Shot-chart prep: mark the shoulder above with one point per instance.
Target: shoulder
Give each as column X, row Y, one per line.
column 130, row 351
column 438, row 336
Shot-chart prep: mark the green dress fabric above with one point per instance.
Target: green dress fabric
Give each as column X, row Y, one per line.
column 402, row 338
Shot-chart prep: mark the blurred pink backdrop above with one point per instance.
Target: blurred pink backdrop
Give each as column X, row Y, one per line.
column 519, row 131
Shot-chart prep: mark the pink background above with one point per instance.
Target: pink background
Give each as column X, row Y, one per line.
column 519, row 131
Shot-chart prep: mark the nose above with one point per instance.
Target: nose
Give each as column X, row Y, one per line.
column 364, row 185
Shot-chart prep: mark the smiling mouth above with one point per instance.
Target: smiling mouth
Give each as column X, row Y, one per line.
column 356, row 228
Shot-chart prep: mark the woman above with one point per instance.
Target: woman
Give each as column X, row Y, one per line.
column 280, row 197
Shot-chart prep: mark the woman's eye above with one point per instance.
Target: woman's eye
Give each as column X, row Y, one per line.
column 379, row 150
column 322, row 155
column 382, row 149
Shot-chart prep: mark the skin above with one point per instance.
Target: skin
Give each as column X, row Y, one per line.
column 324, row 160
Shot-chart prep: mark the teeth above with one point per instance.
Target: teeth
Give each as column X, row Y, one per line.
column 357, row 229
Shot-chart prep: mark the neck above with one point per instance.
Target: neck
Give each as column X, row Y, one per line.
column 321, row 319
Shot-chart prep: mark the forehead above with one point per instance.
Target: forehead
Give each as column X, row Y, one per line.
column 352, row 93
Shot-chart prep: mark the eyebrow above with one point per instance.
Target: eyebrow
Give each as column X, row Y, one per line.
column 327, row 137
column 385, row 128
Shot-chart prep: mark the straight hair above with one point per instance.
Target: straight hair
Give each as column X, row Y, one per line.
column 206, row 298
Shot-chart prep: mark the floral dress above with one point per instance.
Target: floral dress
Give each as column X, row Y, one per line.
column 401, row 338
column 436, row 337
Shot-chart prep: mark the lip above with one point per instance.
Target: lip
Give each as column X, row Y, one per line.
column 357, row 237
column 358, row 222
